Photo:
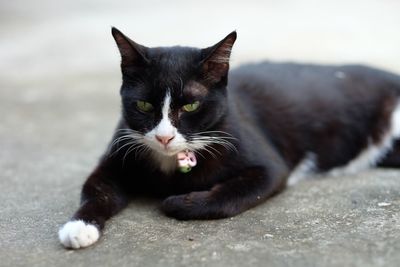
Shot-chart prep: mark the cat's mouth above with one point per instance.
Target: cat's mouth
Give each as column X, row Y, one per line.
column 166, row 150
column 163, row 147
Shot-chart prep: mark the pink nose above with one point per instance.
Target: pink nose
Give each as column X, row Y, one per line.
column 164, row 139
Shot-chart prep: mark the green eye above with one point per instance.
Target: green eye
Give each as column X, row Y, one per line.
column 191, row 107
column 144, row 106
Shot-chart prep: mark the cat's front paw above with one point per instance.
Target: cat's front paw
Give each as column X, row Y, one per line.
column 78, row 234
column 195, row 205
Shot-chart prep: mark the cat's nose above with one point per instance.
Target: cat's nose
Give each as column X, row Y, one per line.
column 164, row 139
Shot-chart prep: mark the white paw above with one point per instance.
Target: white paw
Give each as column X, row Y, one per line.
column 78, row 234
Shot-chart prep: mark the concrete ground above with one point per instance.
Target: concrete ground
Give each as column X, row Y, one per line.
column 59, row 103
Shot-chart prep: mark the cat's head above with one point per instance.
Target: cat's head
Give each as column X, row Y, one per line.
column 172, row 96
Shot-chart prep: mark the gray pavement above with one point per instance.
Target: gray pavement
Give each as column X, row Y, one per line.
column 59, row 103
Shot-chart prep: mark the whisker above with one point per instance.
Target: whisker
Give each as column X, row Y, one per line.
column 130, row 149
column 117, row 140
column 215, row 132
column 210, row 152
column 128, row 136
column 127, row 153
column 132, row 142
column 125, row 129
column 198, row 152
column 141, row 150
column 213, row 138
column 228, row 145
column 213, row 148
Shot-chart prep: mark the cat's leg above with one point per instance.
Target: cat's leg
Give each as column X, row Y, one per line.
column 251, row 187
column 101, row 199
column 392, row 159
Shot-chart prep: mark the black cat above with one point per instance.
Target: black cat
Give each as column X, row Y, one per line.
column 216, row 149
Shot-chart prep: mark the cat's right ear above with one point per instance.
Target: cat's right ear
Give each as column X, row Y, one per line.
column 132, row 54
column 216, row 63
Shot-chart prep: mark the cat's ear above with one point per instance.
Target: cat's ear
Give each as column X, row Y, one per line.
column 132, row 54
column 216, row 62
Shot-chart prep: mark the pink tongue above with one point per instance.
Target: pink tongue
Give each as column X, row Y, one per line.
column 186, row 159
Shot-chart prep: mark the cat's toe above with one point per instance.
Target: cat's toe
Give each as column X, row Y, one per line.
column 78, row 234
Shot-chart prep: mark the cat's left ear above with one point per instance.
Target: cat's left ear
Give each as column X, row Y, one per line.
column 216, row 62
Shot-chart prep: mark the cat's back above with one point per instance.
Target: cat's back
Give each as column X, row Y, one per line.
column 305, row 89
column 296, row 104
column 303, row 81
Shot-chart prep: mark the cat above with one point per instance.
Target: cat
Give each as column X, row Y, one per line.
column 213, row 149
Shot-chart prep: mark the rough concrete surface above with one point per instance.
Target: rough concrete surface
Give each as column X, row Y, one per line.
column 59, row 103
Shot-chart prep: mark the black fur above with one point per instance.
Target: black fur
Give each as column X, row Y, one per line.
column 276, row 113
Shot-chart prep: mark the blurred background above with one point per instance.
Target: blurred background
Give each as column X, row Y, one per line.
column 45, row 37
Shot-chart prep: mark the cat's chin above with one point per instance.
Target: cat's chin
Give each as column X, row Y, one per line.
column 167, row 152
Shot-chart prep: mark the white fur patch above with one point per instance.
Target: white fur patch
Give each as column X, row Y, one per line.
column 303, row 170
column 374, row 152
column 165, row 127
column 165, row 163
column 165, row 156
column 369, row 157
column 78, row 234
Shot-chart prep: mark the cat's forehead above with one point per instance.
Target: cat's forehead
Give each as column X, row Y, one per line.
column 180, row 91
column 194, row 89
column 174, row 69
column 174, row 58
